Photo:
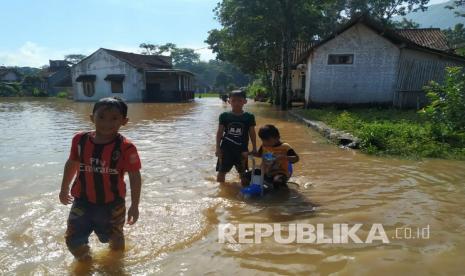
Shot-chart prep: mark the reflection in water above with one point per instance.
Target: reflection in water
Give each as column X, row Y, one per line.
column 181, row 204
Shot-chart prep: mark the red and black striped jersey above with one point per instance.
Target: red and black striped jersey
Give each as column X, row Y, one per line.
column 102, row 167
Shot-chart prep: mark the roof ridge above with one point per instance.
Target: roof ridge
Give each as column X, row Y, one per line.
column 140, row 60
column 131, row 53
column 417, row 29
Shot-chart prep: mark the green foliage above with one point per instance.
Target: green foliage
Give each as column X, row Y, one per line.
column 209, row 95
column 180, row 56
column 405, row 24
column 456, row 5
column 392, row 132
column 74, row 58
column 447, row 101
column 456, row 38
column 36, row 92
column 10, row 89
column 253, row 32
column 455, row 35
column 214, row 73
column 385, row 10
column 258, row 35
column 62, row 94
column 257, row 90
column 30, row 83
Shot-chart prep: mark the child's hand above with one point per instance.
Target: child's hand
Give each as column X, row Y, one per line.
column 65, row 197
column 133, row 214
column 218, row 153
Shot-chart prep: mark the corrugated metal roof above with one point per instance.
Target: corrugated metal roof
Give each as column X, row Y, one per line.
column 429, row 37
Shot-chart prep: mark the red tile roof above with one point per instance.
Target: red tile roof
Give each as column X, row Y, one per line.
column 430, row 37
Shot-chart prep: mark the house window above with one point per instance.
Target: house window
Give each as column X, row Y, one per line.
column 88, row 88
column 341, row 59
column 116, row 86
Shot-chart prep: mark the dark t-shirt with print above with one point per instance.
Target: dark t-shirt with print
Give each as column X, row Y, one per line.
column 236, row 130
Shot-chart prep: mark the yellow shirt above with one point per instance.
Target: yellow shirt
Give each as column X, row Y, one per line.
column 280, row 166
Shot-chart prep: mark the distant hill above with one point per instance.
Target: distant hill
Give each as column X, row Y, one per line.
column 28, row 70
column 436, row 16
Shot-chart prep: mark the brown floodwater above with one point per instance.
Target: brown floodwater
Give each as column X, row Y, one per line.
column 182, row 206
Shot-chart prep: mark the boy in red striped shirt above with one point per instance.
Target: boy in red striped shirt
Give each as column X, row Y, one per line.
column 97, row 163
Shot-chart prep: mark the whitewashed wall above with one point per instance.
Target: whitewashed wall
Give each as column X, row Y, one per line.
column 102, row 64
column 10, row 76
column 370, row 79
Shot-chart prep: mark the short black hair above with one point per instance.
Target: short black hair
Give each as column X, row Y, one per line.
column 237, row 93
column 112, row 102
column 268, row 131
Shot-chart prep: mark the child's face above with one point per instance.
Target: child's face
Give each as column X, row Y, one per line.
column 237, row 103
column 270, row 142
column 108, row 120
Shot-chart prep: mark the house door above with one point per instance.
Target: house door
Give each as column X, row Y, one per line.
column 152, row 92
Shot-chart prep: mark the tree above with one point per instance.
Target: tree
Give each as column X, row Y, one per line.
column 447, row 101
column 456, row 35
column 180, row 56
column 385, row 10
column 155, row 49
column 149, row 49
column 74, row 58
column 206, row 73
column 405, row 24
column 258, row 35
column 222, row 80
column 457, row 4
column 184, row 56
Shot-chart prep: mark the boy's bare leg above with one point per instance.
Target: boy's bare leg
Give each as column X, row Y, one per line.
column 118, row 217
column 244, row 168
column 221, row 177
column 81, row 253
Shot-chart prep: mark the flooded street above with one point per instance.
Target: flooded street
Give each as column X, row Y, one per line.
column 182, row 205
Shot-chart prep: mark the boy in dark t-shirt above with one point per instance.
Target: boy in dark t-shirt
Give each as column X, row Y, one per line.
column 232, row 138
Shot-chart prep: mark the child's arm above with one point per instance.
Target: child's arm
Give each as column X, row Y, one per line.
column 253, row 138
column 219, row 135
column 258, row 153
column 292, row 156
column 70, row 170
column 136, row 185
column 293, row 159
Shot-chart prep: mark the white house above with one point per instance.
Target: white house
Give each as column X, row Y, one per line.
column 9, row 75
column 365, row 63
column 133, row 77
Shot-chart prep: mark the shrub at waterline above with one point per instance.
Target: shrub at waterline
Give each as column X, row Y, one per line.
column 257, row 91
column 437, row 131
column 389, row 131
column 10, row 89
column 447, row 107
column 62, row 95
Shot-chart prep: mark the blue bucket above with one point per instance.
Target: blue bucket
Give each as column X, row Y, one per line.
column 252, row 190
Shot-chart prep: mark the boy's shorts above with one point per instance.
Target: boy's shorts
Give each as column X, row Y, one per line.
column 106, row 220
column 230, row 158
